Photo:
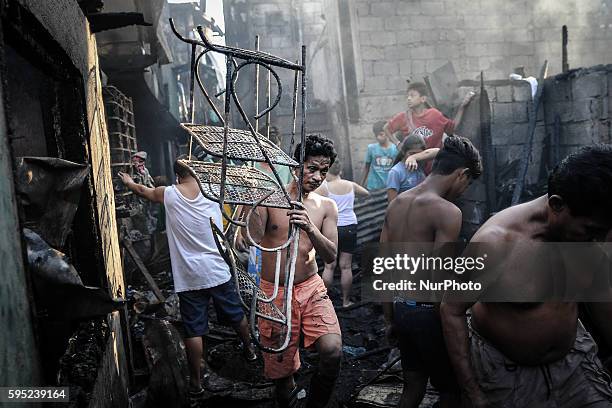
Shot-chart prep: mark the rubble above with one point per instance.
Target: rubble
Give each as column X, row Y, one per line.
column 79, row 364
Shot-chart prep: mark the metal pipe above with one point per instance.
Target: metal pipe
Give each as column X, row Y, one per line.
column 228, row 101
column 256, row 86
column 268, row 102
column 303, row 130
column 191, row 93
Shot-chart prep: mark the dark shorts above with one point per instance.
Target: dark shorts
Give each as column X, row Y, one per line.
column 576, row 380
column 194, row 307
column 347, row 238
column 422, row 346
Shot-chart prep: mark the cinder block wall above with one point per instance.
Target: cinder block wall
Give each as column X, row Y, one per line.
column 581, row 100
column 403, row 39
column 394, row 40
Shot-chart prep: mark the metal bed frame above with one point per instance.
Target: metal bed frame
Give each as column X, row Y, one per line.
column 244, row 185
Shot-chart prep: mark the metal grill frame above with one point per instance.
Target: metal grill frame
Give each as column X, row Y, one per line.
column 267, row 61
column 210, row 137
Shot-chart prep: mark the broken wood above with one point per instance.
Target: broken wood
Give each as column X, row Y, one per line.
column 385, row 367
column 127, row 244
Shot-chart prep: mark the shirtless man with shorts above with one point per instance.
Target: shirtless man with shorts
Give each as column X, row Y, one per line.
column 425, row 213
column 312, row 312
column 538, row 354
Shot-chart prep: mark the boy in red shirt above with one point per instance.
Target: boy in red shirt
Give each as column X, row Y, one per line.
column 428, row 122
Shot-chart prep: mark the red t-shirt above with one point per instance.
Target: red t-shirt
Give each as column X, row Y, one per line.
column 434, row 125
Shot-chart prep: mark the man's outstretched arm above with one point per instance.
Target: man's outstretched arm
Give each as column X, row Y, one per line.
column 412, row 161
column 466, row 101
column 152, row 194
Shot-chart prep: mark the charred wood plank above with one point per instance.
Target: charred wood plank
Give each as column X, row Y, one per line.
column 127, row 244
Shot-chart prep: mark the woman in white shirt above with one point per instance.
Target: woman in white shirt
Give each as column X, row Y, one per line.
column 343, row 193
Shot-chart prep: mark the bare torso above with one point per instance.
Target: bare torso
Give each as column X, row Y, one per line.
column 276, row 233
column 410, row 216
column 526, row 333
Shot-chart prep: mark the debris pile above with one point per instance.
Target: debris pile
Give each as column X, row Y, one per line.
column 79, row 364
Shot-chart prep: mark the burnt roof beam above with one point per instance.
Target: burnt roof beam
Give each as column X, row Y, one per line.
column 109, row 21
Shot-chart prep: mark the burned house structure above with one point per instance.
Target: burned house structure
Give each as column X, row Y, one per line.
column 60, row 248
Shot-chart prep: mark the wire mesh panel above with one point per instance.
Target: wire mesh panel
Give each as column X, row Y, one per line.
column 241, row 145
column 246, row 284
column 227, row 183
column 243, row 184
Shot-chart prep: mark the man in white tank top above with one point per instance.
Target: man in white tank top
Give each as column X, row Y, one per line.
column 198, row 270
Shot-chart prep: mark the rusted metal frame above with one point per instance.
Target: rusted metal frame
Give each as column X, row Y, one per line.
column 228, row 101
column 268, row 102
column 294, row 110
column 259, row 115
column 248, row 54
column 231, row 261
column 292, row 251
column 256, row 85
column 527, row 147
column 191, row 94
column 290, row 268
column 303, row 129
column 195, row 43
column 263, row 59
column 196, row 73
column 293, row 231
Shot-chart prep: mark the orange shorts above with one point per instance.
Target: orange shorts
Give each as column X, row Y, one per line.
column 312, row 315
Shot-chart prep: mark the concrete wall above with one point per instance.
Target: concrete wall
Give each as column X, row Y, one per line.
column 395, row 40
column 62, row 24
column 581, row 100
column 404, row 39
column 18, row 356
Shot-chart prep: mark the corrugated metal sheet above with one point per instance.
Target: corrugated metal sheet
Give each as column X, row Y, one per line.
column 370, row 213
